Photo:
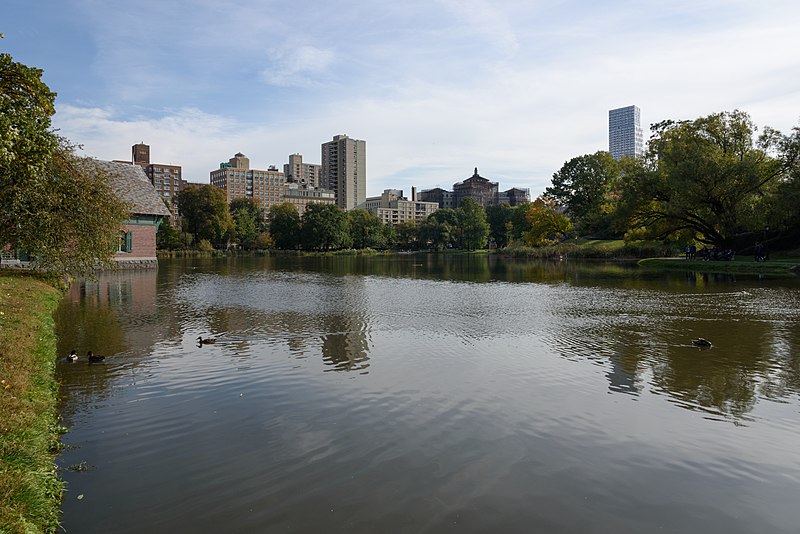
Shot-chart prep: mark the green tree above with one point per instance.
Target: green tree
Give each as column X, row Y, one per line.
column 448, row 222
column 324, row 227
column 407, row 235
column 436, row 234
column 249, row 220
column 706, row 177
column 54, row 205
column 285, row 226
column 581, row 186
column 366, row 230
column 547, row 225
column 205, row 214
column 784, row 201
column 500, row 224
column 254, row 210
column 168, row 237
column 473, row 225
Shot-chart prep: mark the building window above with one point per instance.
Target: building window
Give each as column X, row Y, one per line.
column 125, row 242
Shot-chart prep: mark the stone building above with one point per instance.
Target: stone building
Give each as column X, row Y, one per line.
column 478, row 188
column 393, row 208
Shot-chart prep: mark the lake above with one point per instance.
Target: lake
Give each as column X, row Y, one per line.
column 429, row 393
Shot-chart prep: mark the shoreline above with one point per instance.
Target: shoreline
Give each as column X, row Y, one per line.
column 772, row 268
column 30, row 488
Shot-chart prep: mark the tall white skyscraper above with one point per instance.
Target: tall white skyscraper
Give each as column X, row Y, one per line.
column 344, row 170
column 624, row 132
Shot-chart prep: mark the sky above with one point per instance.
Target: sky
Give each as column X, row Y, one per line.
column 434, row 87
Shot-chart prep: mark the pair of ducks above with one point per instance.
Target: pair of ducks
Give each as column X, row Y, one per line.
column 73, row 357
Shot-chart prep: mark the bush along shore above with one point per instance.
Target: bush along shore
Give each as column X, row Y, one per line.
column 30, row 490
column 591, row 249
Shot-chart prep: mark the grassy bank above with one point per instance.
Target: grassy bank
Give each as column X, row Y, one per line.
column 748, row 266
column 30, row 491
column 590, row 249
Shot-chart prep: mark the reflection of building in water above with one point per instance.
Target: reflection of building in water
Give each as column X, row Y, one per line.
column 115, row 313
column 345, row 344
column 622, row 375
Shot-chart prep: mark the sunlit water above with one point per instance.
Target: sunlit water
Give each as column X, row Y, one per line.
column 430, row 394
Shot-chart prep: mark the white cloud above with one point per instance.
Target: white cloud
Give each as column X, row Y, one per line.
column 515, row 88
column 298, row 66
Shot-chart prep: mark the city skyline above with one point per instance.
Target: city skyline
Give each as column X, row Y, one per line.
column 436, row 88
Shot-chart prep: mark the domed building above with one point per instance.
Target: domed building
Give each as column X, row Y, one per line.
column 476, row 186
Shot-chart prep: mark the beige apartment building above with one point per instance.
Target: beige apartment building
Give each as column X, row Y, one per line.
column 344, row 170
column 238, row 180
column 393, row 208
column 301, row 196
column 308, row 174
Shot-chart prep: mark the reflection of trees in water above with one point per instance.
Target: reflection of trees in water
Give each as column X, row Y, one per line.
column 113, row 316
column 348, row 350
column 728, row 378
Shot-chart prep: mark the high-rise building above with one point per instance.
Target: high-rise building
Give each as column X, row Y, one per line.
column 625, row 133
column 238, row 180
column 167, row 179
column 344, row 170
column 307, row 174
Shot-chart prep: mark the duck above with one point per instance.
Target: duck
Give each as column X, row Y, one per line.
column 701, row 342
column 94, row 359
column 206, row 341
column 73, row 356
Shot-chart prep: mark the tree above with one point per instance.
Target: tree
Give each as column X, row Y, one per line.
column 435, row 234
column 500, row 225
column 366, row 230
column 448, row 227
column 205, row 214
column 407, row 233
column 168, row 237
column 581, row 186
column 706, row 177
column 54, row 205
column 284, row 226
column 256, row 212
column 547, row 225
column 784, row 205
column 249, row 221
column 324, row 227
column 473, row 225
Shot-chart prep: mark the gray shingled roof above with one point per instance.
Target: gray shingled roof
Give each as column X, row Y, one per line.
column 131, row 184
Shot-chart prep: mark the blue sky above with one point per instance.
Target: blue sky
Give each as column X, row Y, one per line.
column 435, row 87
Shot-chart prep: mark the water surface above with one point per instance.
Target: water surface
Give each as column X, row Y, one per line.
column 430, row 394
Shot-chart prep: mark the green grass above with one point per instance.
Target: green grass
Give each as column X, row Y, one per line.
column 30, row 490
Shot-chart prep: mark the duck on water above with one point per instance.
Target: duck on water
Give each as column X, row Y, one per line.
column 702, row 343
column 94, row 358
column 205, row 341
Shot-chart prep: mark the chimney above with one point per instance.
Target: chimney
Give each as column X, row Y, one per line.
column 413, row 193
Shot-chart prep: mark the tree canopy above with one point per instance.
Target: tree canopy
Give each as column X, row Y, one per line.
column 57, row 207
column 249, row 221
column 472, row 221
column 581, row 185
column 708, row 177
column 324, row 227
column 547, row 225
column 284, row 226
column 204, row 209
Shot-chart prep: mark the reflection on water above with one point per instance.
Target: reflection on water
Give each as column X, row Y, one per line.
column 471, row 394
